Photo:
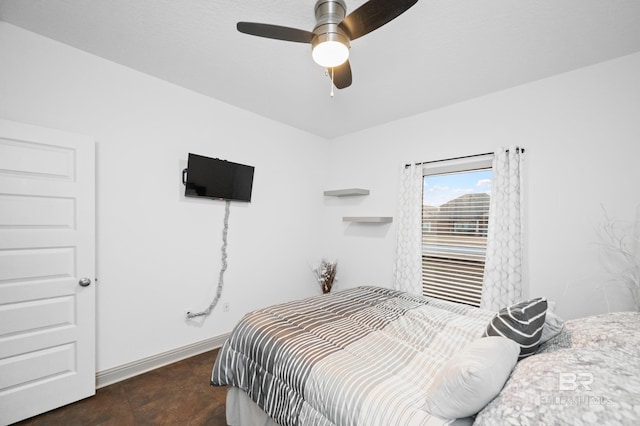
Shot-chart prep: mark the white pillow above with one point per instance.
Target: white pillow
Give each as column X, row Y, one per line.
column 472, row 378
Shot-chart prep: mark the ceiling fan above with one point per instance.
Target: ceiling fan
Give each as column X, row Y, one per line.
column 331, row 37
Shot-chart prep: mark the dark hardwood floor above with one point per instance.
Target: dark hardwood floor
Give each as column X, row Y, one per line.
column 178, row 394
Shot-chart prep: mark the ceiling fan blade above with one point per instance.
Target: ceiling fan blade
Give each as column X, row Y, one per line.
column 341, row 75
column 372, row 15
column 275, row 31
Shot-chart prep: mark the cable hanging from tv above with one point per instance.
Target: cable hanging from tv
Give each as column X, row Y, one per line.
column 219, row 180
column 223, row 268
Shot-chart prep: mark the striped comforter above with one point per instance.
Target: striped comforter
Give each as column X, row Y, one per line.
column 364, row 356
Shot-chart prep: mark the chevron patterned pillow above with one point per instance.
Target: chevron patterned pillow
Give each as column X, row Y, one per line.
column 522, row 323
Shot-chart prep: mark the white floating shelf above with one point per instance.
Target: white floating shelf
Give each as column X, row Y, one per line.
column 368, row 219
column 346, row 192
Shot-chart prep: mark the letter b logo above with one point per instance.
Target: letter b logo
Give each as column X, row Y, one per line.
column 571, row 381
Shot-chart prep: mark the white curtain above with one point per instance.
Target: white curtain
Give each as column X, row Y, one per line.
column 502, row 285
column 408, row 265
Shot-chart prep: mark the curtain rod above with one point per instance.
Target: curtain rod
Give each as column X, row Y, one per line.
column 518, row 149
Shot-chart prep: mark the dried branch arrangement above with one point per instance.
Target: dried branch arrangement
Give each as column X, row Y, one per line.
column 620, row 253
column 325, row 273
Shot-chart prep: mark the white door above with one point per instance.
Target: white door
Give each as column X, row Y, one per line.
column 47, row 245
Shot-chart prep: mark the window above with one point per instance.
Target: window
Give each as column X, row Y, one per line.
column 455, row 218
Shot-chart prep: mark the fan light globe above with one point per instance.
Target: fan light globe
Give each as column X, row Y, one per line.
column 330, row 54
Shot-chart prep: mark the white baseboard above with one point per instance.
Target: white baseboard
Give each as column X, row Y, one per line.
column 126, row 371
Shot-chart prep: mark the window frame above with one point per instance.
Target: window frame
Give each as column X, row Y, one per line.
column 457, row 165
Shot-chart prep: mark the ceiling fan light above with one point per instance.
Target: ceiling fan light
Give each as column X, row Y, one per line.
column 330, row 53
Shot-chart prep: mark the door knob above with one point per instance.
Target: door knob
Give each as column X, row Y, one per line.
column 84, row 282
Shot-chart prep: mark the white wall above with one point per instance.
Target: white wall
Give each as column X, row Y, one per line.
column 158, row 253
column 581, row 131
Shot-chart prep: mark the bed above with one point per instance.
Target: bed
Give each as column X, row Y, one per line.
column 588, row 374
column 376, row 356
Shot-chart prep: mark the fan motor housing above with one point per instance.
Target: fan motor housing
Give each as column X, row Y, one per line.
column 329, row 13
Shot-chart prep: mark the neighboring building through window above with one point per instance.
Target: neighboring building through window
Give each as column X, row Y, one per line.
column 455, row 218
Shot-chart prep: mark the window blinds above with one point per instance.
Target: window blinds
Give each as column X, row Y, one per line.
column 454, row 240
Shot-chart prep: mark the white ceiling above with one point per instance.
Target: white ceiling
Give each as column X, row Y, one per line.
column 438, row 53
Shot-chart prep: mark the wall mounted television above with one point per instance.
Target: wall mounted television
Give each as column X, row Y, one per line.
column 217, row 179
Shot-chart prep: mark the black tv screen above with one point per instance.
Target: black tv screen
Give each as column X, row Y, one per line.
column 218, row 179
